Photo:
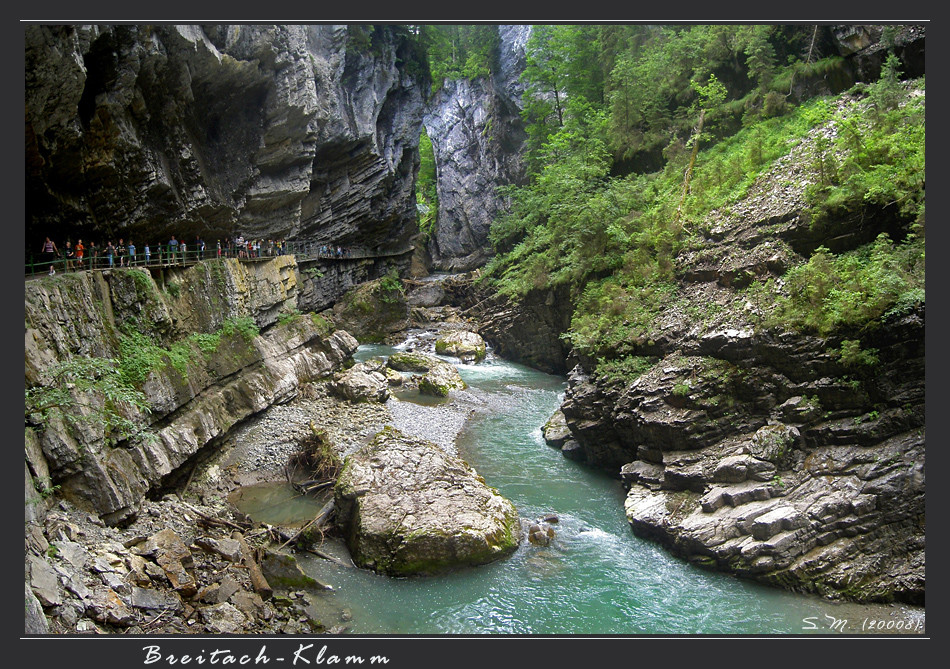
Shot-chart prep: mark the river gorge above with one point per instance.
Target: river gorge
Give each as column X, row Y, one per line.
column 516, row 359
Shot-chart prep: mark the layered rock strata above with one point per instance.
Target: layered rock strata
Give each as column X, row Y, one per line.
column 195, row 398
column 290, row 131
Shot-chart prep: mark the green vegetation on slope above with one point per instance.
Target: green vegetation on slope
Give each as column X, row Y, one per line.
column 91, row 392
column 614, row 235
column 427, row 199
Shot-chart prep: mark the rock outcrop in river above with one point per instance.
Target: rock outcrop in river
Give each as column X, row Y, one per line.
column 408, row 507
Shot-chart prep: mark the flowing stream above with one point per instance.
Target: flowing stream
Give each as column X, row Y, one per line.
column 597, row 577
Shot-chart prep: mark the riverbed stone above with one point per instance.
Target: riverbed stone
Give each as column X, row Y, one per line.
column 440, row 381
column 439, row 378
column 465, row 345
column 229, row 549
column 155, row 600
column 407, row 507
column 361, row 383
column 224, row 618
column 107, row 607
column 283, row 570
column 173, row 556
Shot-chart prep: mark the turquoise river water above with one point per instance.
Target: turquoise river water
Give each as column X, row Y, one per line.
column 596, row 578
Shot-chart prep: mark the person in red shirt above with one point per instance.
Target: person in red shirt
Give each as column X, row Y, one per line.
column 79, row 249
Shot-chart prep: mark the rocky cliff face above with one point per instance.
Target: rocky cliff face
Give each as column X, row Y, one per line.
column 477, row 137
column 268, row 131
column 198, row 387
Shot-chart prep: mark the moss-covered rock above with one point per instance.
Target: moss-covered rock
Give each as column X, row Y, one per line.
column 372, row 311
column 439, row 378
column 462, row 344
column 408, row 507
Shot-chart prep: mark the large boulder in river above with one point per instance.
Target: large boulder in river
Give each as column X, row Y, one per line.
column 362, row 382
column 438, row 377
column 462, row 344
column 408, row 507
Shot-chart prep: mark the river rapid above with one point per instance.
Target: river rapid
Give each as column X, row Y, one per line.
column 595, row 578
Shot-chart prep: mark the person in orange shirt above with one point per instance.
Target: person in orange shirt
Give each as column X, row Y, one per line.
column 79, row 249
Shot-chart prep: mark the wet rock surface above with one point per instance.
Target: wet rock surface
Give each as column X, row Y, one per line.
column 466, row 346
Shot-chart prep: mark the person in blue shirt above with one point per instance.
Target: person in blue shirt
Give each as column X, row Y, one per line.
column 172, row 250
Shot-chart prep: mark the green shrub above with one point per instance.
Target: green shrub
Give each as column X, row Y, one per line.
column 391, row 288
column 682, row 389
column 852, row 355
column 624, row 369
column 243, row 325
column 853, row 288
column 207, row 343
column 289, row 316
column 88, row 391
column 882, row 144
column 139, row 355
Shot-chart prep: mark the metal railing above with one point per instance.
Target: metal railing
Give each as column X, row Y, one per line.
column 169, row 255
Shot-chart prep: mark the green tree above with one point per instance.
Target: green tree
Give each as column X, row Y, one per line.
column 427, row 200
column 760, row 55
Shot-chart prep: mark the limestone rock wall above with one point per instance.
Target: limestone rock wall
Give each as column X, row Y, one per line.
column 477, row 137
column 284, row 131
column 85, row 315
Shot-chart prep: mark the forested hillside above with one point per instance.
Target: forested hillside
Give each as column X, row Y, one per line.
column 635, row 163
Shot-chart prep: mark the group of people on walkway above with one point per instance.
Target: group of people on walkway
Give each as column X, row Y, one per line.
column 334, row 252
column 80, row 256
column 251, row 248
column 125, row 253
